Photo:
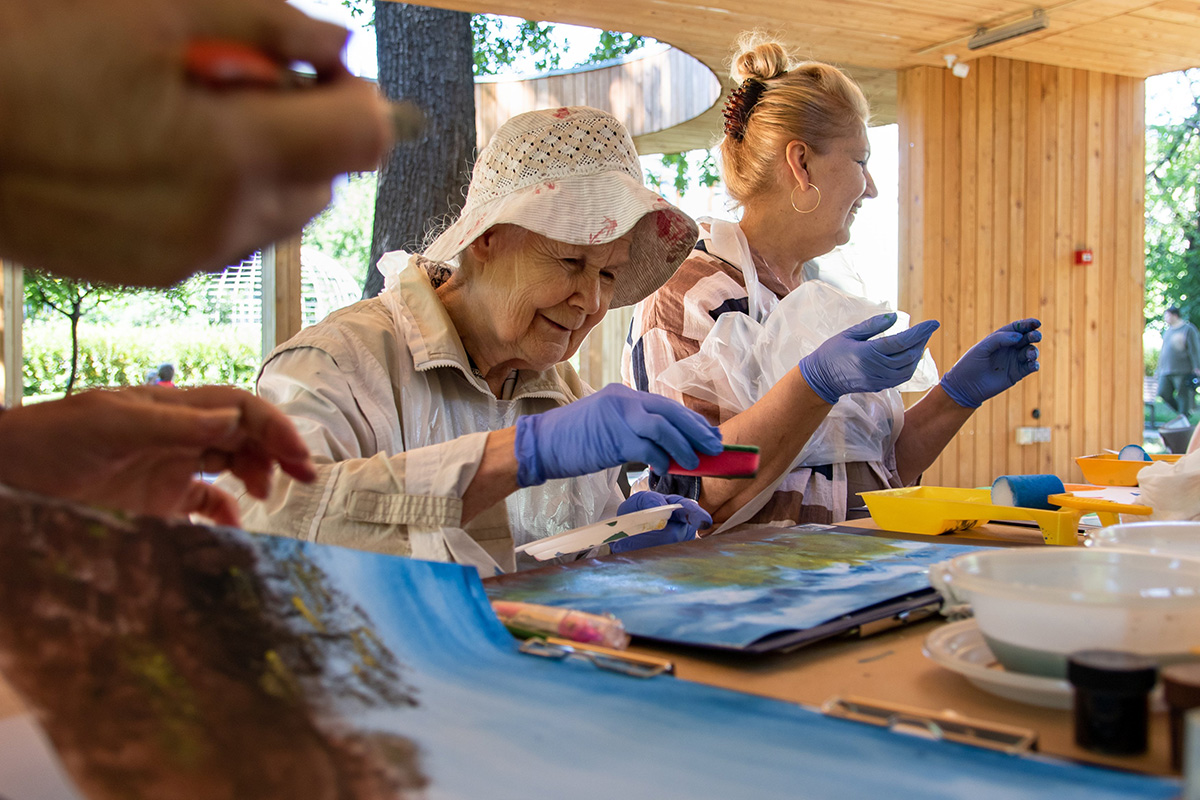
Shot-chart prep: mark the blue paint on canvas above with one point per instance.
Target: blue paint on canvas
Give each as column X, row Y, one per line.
column 495, row 723
column 363, row 663
column 732, row 591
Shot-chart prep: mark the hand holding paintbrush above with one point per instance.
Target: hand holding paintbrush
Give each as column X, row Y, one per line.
column 123, row 165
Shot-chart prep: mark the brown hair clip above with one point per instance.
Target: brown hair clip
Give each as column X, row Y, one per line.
column 739, row 106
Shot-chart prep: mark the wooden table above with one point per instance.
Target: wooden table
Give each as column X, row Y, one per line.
column 891, row 667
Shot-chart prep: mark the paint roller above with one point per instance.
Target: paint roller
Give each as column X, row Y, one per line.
column 1026, row 491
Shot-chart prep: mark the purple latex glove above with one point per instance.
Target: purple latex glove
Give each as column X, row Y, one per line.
column 681, row 527
column 848, row 363
column 996, row 363
column 607, row 429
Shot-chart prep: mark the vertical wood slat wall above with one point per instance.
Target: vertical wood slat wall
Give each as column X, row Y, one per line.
column 1003, row 175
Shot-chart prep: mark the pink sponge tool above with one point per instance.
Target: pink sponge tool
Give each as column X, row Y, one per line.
column 736, row 461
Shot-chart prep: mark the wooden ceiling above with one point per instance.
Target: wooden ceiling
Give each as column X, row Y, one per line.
column 873, row 39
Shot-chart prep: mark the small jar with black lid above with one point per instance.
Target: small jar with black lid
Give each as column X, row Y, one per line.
column 1112, row 706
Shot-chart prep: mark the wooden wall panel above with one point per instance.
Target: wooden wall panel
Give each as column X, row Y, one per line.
column 1003, row 176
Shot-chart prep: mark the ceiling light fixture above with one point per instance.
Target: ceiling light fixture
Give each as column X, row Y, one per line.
column 958, row 68
column 1002, row 33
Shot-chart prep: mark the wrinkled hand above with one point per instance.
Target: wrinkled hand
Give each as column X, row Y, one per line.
column 607, row 429
column 124, row 170
column 996, row 363
column 848, row 363
column 681, row 527
column 139, row 449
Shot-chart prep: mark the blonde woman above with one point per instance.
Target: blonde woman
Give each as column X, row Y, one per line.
column 794, row 157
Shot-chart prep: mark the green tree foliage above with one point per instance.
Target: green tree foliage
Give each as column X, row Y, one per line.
column 499, row 43
column 119, row 355
column 343, row 230
column 679, row 170
column 614, row 45
column 73, row 299
column 50, row 297
column 1173, row 212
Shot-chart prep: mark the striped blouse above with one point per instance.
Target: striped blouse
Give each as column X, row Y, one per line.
column 670, row 325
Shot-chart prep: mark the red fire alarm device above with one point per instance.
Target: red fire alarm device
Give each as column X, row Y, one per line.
column 1083, row 256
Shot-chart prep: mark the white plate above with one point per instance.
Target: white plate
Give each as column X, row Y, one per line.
column 598, row 533
column 959, row 647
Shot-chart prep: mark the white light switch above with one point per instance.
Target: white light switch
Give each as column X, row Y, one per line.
column 1032, row 435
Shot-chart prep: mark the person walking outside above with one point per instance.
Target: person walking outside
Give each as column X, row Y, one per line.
column 1178, row 364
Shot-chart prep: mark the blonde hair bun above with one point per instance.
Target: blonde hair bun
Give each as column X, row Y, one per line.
column 759, row 57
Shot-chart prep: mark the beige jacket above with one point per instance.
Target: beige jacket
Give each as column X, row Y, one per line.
column 383, row 395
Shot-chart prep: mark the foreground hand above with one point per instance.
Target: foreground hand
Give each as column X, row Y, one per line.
column 681, row 527
column 996, row 363
column 607, row 429
column 124, row 170
column 848, row 363
column 139, row 449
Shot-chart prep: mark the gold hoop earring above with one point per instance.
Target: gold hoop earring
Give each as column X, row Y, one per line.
column 792, row 199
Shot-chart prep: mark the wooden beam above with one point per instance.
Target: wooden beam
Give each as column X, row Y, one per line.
column 282, row 315
column 12, row 317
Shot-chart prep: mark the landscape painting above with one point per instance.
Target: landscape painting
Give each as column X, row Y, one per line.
column 736, row 589
column 180, row 661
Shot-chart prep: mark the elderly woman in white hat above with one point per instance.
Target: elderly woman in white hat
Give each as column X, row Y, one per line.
column 449, row 392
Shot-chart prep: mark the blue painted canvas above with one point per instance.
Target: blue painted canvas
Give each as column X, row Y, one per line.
column 184, row 662
column 738, row 589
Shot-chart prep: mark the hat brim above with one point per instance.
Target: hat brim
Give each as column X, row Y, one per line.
column 588, row 210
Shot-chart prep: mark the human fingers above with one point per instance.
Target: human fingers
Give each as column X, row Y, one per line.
column 316, row 133
column 651, row 453
column 278, row 29
column 1023, row 325
column 871, row 327
column 1000, row 340
column 257, row 426
column 210, row 502
column 654, row 431
column 254, row 469
column 692, row 514
column 915, row 338
column 270, row 211
column 640, row 501
column 704, row 437
column 162, row 425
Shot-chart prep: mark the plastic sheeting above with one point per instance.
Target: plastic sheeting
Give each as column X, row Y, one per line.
column 743, row 356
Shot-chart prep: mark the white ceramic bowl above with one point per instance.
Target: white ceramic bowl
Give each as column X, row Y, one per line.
column 1179, row 539
column 1036, row 605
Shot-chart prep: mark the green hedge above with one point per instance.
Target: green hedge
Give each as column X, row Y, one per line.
column 121, row 355
column 1150, row 360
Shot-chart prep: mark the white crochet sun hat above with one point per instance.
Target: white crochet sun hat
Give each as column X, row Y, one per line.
column 572, row 174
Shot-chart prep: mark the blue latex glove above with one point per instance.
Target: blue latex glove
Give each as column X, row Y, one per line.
column 848, row 363
column 996, row 363
column 681, row 527
column 607, row 429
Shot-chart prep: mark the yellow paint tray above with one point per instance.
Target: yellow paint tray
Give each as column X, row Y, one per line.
column 1108, row 470
column 932, row 510
column 1108, row 511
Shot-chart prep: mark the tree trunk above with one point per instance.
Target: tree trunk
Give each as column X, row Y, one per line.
column 75, row 316
column 425, row 55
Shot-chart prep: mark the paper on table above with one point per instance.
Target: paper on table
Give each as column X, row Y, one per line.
column 588, row 536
